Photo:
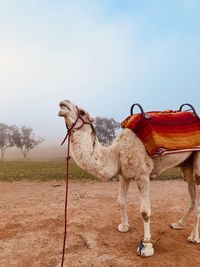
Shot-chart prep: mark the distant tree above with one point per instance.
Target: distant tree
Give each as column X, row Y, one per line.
column 5, row 138
column 25, row 139
column 106, row 129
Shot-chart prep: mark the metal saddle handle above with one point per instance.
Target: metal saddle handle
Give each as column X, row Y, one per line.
column 191, row 108
column 145, row 115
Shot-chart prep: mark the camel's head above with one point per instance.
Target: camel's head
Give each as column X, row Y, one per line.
column 70, row 112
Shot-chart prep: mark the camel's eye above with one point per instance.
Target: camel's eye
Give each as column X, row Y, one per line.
column 82, row 112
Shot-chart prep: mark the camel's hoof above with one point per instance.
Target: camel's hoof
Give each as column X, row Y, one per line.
column 123, row 228
column 176, row 226
column 145, row 249
column 193, row 239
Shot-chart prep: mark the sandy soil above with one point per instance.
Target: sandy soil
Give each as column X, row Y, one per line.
column 31, row 225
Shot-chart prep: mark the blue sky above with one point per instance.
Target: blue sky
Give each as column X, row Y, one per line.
column 103, row 55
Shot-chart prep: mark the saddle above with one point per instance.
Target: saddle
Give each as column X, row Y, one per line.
column 165, row 132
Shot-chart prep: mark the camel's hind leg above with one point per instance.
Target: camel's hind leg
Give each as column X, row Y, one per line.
column 188, row 175
column 194, row 192
column 122, row 199
column 194, row 236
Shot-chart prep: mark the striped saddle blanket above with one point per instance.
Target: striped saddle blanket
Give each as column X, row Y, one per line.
column 164, row 132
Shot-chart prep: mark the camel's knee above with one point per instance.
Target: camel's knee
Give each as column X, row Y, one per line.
column 121, row 202
column 198, row 210
column 196, row 168
column 146, row 214
column 191, row 207
column 122, row 205
column 197, row 178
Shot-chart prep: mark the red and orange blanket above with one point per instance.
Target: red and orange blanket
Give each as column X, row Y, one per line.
column 164, row 132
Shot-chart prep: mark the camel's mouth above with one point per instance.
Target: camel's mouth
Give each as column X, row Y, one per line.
column 63, row 106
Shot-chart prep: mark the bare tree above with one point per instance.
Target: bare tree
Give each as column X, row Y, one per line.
column 5, row 138
column 25, row 139
column 106, row 129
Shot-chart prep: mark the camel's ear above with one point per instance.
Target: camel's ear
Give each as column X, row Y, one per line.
column 89, row 119
column 85, row 115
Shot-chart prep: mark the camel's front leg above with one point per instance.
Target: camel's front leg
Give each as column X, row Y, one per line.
column 194, row 236
column 122, row 199
column 145, row 248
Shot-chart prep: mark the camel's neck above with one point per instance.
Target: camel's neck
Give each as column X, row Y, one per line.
column 91, row 156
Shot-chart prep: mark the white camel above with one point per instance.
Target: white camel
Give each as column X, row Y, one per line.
column 128, row 158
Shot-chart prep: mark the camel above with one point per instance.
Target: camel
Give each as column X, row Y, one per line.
column 127, row 157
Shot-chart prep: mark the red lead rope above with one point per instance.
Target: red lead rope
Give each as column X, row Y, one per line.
column 70, row 129
column 66, row 196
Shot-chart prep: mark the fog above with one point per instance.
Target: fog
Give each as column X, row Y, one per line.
column 44, row 151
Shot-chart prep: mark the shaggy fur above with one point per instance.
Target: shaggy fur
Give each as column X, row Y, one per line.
column 127, row 158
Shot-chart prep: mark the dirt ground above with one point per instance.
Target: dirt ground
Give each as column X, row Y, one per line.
column 32, row 223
